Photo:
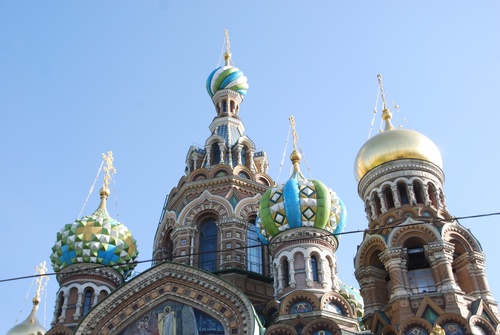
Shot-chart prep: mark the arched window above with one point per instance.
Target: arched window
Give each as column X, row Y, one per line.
column 60, row 304
column 208, row 245
column 232, row 106
column 419, row 270
column 255, row 255
column 403, row 193
column 389, row 199
column 215, row 154
column 224, row 106
column 87, row 301
column 419, row 193
column 432, row 194
column 378, row 206
column 244, row 155
column 286, row 273
column 314, row 268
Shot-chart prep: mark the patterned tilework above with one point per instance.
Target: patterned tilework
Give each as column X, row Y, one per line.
column 299, row 203
column 98, row 239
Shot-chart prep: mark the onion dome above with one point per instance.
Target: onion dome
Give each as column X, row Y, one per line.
column 354, row 297
column 299, row 203
column 31, row 325
column 227, row 77
column 393, row 144
column 97, row 239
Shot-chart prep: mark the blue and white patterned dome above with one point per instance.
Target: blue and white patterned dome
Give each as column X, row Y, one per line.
column 227, row 77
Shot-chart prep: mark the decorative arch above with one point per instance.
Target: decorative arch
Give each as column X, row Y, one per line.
column 247, row 207
column 338, row 300
column 205, row 202
column 169, row 221
column 321, row 324
column 198, row 174
column 370, row 245
column 281, row 329
column 296, row 297
column 415, row 322
column 453, row 231
column 172, row 282
column 412, row 229
column 222, row 170
column 264, row 179
column 481, row 322
column 452, row 318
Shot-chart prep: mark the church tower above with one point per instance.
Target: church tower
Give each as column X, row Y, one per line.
column 417, row 267
column 208, row 220
column 300, row 221
column 92, row 257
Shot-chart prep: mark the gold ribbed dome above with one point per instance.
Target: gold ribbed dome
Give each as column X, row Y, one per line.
column 394, row 144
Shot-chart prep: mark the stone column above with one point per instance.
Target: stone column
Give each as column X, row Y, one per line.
column 395, row 196
column 208, row 153
column 280, row 279
column 307, row 264
column 291, row 271
column 440, row 256
column 222, row 152
column 393, row 262
column 383, row 206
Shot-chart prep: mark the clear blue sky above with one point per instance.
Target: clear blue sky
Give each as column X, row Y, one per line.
column 80, row 78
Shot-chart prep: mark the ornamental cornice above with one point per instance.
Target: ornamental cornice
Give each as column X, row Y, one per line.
column 195, row 188
column 394, row 253
column 369, row 272
column 303, row 235
column 232, row 220
column 79, row 270
column 369, row 181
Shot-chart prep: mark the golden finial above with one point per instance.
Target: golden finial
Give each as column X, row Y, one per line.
column 295, row 156
column 41, row 271
column 227, row 55
column 386, row 113
column 109, row 169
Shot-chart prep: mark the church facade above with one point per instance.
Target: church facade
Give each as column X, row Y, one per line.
column 235, row 253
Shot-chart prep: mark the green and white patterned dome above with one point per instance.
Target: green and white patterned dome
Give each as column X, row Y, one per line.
column 97, row 239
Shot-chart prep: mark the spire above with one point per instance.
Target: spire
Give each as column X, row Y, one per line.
column 31, row 325
column 295, row 156
column 227, row 55
column 386, row 113
column 109, row 169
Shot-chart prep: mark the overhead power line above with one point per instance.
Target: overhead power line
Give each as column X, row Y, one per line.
column 370, row 231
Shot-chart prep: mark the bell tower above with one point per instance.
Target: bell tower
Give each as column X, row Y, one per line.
column 417, row 266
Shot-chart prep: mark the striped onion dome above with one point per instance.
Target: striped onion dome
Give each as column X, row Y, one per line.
column 97, row 239
column 299, row 203
column 227, row 77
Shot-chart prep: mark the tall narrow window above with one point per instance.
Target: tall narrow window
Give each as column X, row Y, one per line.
column 286, row 273
column 208, row 245
column 378, row 206
column 403, row 194
column 432, row 197
column 419, row 271
column 254, row 259
column 215, row 153
column 419, row 194
column 87, row 300
column 389, row 199
column 314, row 268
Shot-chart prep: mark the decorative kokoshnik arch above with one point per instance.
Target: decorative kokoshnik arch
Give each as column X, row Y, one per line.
column 175, row 282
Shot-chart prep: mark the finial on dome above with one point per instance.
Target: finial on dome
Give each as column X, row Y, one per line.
column 227, row 55
column 386, row 113
column 295, row 156
column 41, row 271
column 109, row 169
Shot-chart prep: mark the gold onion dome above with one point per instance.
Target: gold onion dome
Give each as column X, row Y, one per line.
column 394, row 144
